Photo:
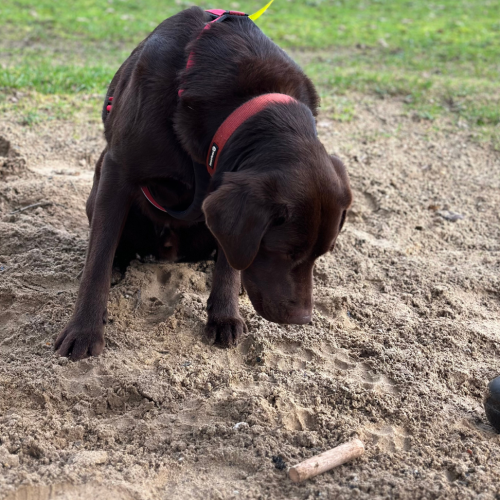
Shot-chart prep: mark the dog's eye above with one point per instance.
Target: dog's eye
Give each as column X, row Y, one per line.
column 342, row 220
column 279, row 221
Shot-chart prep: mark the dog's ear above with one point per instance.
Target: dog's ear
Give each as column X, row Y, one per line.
column 238, row 214
column 345, row 193
column 338, row 165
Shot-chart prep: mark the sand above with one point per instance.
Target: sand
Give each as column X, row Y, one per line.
column 404, row 338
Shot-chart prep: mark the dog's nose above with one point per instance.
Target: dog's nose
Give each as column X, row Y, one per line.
column 299, row 317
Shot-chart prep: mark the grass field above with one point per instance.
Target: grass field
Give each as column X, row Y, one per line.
column 440, row 58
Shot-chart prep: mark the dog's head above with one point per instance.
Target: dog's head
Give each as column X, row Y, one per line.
column 274, row 223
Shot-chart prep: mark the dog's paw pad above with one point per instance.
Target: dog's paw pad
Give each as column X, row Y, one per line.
column 77, row 343
column 225, row 332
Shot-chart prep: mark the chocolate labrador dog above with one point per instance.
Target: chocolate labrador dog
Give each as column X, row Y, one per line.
column 211, row 144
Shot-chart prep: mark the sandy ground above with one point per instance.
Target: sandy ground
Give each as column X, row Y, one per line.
column 405, row 337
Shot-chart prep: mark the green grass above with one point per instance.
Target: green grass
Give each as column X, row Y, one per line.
column 438, row 57
column 448, row 30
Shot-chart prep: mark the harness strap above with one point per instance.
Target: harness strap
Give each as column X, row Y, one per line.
column 193, row 213
column 149, row 196
column 220, row 15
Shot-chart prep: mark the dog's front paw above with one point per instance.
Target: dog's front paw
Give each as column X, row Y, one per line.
column 225, row 332
column 80, row 341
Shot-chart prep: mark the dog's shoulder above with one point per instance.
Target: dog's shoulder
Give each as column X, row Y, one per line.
column 178, row 29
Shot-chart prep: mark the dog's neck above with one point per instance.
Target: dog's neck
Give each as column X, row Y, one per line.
column 274, row 136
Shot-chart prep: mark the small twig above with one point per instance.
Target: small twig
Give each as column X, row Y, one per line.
column 35, row 205
column 80, row 273
column 74, row 187
column 33, row 288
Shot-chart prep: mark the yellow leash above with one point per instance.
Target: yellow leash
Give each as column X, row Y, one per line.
column 259, row 13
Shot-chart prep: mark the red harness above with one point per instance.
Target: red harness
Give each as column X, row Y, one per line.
column 224, row 132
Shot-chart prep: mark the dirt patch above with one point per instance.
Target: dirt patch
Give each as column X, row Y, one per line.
column 404, row 338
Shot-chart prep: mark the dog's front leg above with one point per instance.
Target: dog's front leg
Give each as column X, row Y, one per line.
column 84, row 334
column 225, row 326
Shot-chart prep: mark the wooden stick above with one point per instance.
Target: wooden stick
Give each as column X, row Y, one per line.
column 35, row 205
column 326, row 461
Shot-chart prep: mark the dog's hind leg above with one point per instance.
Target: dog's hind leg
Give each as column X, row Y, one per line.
column 84, row 334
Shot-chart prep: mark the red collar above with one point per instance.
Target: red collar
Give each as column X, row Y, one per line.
column 237, row 118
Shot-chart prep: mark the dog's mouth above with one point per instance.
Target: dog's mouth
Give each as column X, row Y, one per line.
column 281, row 313
column 286, row 316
